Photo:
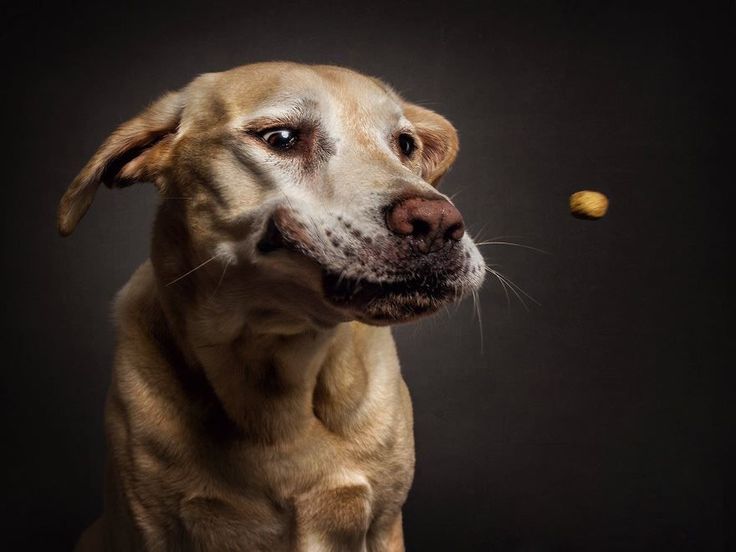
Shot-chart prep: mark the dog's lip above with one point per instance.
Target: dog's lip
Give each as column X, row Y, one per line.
column 342, row 288
column 272, row 238
column 382, row 301
column 284, row 230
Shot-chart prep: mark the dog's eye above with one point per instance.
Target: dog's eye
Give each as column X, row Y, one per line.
column 407, row 145
column 280, row 138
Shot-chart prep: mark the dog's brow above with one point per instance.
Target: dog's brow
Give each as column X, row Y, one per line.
column 404, row 122
column 279, row 109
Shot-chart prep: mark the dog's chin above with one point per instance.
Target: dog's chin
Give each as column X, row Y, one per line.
column 381, row 302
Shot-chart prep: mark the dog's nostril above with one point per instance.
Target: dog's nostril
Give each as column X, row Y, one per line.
column 456, row 231
column 420, row 227
column 431, row 222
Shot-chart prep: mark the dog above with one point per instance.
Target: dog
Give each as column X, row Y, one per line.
column 256, row 402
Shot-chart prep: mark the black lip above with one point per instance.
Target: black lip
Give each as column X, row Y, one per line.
column 353, row 290
column 272, row 239
column 386, row 302
column 419, row 291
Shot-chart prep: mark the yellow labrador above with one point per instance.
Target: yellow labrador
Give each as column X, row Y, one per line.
column 256, row 401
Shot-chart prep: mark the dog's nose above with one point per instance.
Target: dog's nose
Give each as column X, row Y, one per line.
column 432, row 222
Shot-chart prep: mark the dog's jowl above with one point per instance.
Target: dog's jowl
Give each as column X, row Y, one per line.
column 256, row 400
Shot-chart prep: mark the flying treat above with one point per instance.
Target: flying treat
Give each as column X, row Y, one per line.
column 588, row 204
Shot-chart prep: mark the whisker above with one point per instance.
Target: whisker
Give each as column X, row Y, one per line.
column 517, row 286
column 502, row 283
column 457, row 193
column 222, row 277
column 480, row 319
column 479, row 244
column 508, row 236
column 340, row 277
column 514, row 287
column 479, row 232
column 447, row 311
column 519, row 297
column 213, row 257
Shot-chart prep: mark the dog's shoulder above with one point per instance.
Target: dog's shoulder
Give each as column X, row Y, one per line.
column 136, row 301
column 141, row 335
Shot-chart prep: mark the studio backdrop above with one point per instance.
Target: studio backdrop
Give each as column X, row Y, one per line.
column 585, row 406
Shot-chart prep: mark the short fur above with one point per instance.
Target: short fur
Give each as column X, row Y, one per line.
column 252, row 408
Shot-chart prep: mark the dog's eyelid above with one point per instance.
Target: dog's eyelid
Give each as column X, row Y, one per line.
column 277, row 128
column 409, row 130
column 287, row 121
column 261, row 126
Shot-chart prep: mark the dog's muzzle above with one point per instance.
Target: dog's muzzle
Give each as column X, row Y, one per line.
column 412, row 266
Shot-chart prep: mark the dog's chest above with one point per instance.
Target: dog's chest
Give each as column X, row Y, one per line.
column 319, row 497
column 282, row 457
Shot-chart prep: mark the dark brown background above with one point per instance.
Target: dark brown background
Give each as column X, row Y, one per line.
column 598, row 420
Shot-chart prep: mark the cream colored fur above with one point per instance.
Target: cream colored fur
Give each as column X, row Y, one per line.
column 246, row 411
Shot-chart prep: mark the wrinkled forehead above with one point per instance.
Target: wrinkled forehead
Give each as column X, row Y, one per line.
column 289, row 91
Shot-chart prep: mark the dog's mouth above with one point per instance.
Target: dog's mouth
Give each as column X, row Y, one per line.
column 417, row 284
column 384, row 302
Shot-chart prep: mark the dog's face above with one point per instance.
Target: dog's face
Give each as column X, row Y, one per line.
column 306, row 191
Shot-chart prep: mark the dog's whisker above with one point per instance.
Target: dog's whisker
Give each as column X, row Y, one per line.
column 482, row 243
column 457, row 193
column 508, row 237
column 447, row 311
column 473, row 235
column 212, row 258
column 518, row 287
column 501, row 282
column 519, row 297
column 480, row 319
column 222, row 277
column 482, row 229
column 514, row 287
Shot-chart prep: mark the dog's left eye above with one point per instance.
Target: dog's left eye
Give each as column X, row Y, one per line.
column 280, row 138
column 407, row 145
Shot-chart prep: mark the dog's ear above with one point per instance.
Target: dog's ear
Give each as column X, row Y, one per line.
column 133, row 153
column 439, row 140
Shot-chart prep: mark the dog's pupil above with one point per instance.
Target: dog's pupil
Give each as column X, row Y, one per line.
column 282, row 139
column 407, row 145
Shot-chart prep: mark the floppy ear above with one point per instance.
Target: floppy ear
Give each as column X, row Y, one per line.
column 133, row 153
column 439, row 139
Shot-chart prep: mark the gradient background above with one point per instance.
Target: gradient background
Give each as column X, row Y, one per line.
column 600, row 419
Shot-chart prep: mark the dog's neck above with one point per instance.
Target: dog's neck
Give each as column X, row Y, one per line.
column 276, row 385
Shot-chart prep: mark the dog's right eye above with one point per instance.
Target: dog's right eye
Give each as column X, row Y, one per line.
column 280, row 138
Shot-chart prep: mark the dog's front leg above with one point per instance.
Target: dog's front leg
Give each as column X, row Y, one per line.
column 395, row 541
column 333, row 519
column 387, row 537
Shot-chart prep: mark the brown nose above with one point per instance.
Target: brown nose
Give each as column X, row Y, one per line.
column 432, row 222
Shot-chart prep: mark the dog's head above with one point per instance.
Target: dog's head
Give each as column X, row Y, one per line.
column 302, row 192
